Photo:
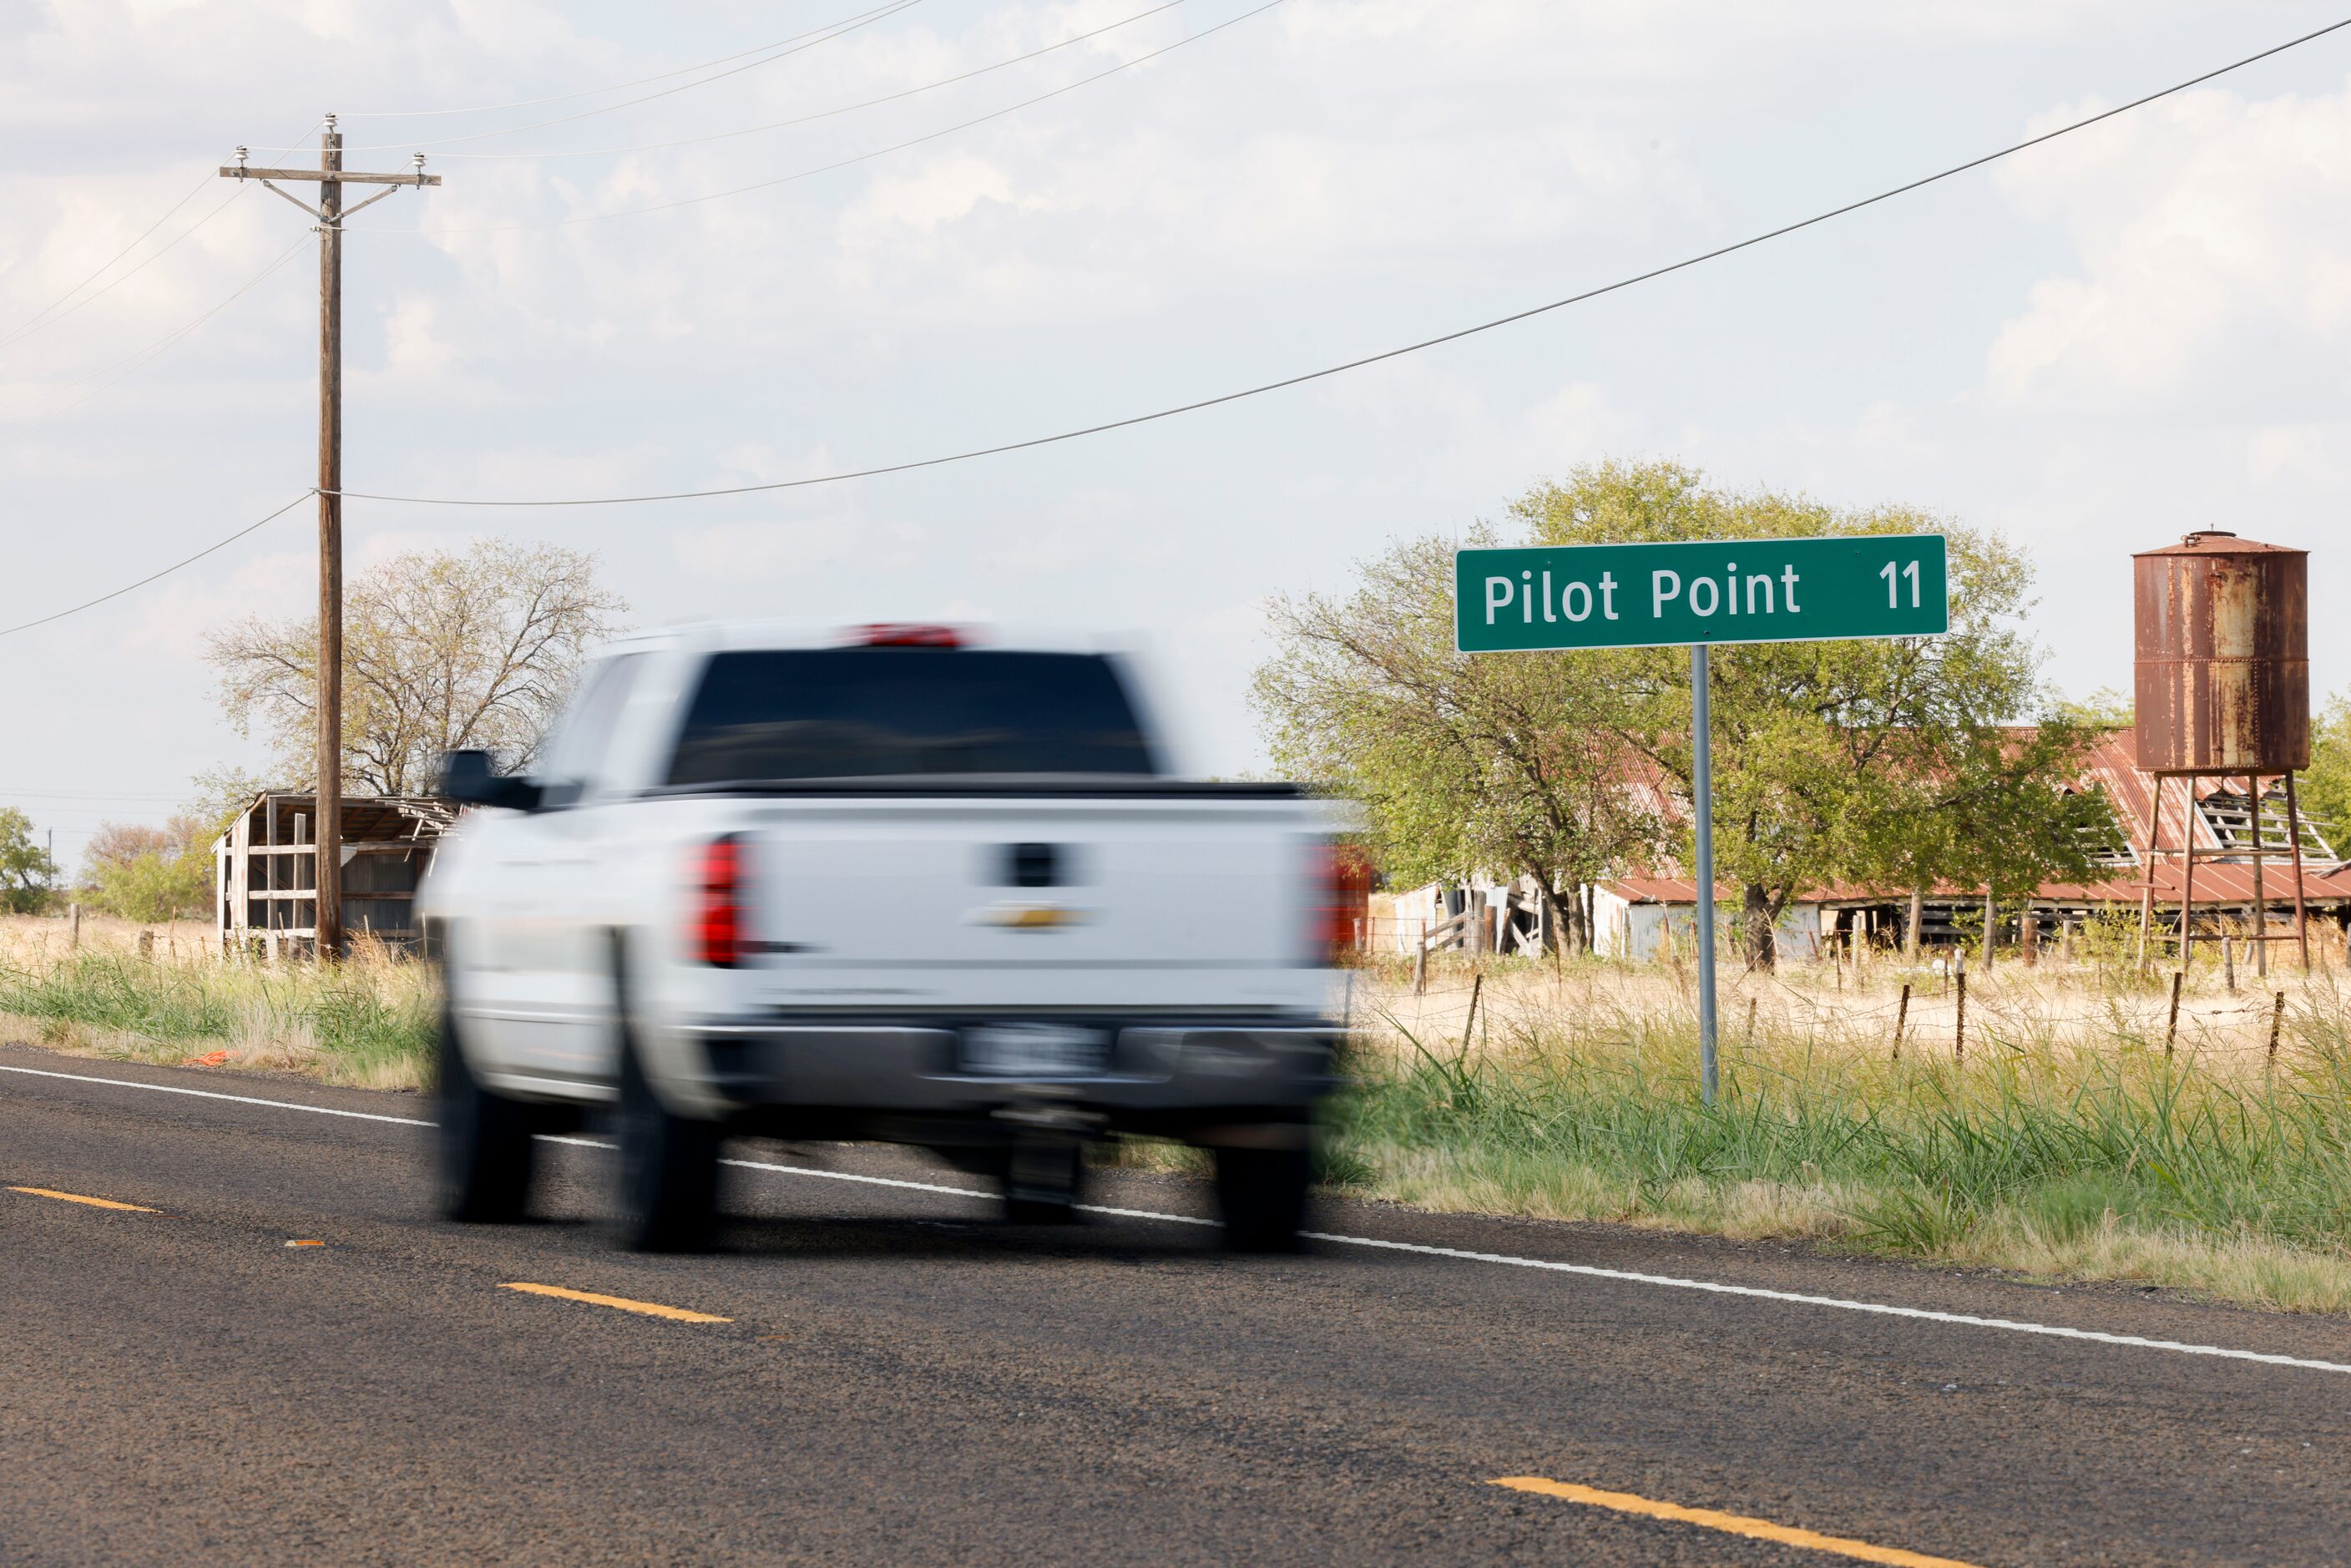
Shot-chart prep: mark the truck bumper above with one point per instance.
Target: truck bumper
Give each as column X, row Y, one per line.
column 1153, row 1072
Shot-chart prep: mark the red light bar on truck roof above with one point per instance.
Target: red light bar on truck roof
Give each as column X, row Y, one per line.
column 904, row 634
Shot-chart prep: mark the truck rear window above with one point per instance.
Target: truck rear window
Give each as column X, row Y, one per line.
column 775, row 715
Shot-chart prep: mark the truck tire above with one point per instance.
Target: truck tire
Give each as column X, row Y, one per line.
column 484, row 1155
column 668, row 1168
column 1261, row 1195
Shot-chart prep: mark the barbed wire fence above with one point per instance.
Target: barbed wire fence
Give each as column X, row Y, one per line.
column 1884, row 1003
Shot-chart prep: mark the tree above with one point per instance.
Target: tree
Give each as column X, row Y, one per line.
column 1833, row 760
column 149, row 873
column 2103, row 710
column 2323, row 790
column 221, row 796
column 1464, row 765
column 442, row 651
column 25, row 868
column 1998, row 810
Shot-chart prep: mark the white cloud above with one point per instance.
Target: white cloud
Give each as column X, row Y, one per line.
column 2153, row 338
column 782, row 548
column 412, row 344
column 2201, row 226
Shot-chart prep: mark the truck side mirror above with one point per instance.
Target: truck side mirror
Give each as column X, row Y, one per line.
column 466, row 778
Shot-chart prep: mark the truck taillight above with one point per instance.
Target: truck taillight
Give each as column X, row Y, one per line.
column 716, row 929
column 1344, row 881
column 905, row 634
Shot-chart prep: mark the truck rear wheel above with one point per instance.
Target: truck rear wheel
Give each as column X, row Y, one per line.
column 485, row 1158
column 668, row 1169
column 1261, row 1195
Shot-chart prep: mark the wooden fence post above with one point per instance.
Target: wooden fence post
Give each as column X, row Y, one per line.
column 2171, row 1028
column 2277, row 1022
column 2228, row 961
column 1960, row 1048
column 1901, row 1017
column 74, row 911
column 1477, row 984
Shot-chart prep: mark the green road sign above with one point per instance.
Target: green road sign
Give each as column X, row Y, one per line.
column 1738, row 591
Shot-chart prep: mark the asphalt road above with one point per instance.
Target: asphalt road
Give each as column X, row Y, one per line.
column 898, row 1379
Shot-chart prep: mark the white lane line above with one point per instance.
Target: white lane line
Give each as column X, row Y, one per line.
column 211, row 1094
column 1924, row 1315
column 1505, row 1260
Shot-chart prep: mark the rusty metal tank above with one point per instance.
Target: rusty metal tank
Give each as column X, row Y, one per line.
column 2223, row 656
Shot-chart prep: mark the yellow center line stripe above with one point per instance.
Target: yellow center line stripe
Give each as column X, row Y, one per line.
column 650, row 1309
column 1729, row 1523
column 77, row 1197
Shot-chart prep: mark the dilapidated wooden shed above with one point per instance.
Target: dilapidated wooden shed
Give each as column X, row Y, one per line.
column 265, row 869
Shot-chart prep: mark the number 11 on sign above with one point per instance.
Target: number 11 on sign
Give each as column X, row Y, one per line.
column 1908, row 568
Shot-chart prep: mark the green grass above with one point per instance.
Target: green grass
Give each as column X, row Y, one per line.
column 2067, row 1143
column 367, row 1021
column 2124, row 1162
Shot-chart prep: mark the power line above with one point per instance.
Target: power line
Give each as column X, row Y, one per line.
column 565, row 96
column 29, row 329
column 847, row 163
column 1577, row 299
column 828, row 113
column 828, row 32
column 25, row 326
column 152, row 576
column 145, row 356
column 34, row 322
column 86, row 795
column 1229, row 397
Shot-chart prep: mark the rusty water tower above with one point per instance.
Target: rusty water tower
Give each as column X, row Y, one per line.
column 2221, row 690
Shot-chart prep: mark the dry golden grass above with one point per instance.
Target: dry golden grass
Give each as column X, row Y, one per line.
column 2067, row 1143
column 177, row 999
column 1856, row 1006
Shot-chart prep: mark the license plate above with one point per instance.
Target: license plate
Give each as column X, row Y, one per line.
column 1035, row 1049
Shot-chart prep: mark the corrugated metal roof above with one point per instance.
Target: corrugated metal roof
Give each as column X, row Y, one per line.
column 2112, row 766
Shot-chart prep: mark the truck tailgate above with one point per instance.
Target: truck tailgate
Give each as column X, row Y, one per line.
column 994, row 903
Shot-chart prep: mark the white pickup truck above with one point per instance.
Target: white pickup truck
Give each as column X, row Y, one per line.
column 887, row 885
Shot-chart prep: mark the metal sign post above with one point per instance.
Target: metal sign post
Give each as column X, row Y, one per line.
column 1694, row 593
column 1702, row 788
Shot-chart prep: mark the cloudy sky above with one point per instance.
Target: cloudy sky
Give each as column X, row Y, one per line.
column 2093, row 345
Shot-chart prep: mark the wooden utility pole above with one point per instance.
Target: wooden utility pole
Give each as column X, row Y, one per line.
column 330, row 177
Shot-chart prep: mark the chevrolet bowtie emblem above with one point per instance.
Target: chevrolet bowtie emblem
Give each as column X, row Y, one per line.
column 1029, row 916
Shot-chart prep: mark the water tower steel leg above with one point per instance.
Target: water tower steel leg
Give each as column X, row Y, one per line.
column 2293, row 838
column 2261, row 852
column 2147, row 897
column 2187, row 879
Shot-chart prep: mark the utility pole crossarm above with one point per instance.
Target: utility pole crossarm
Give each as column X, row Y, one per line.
column 241, row 172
